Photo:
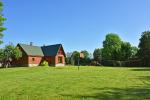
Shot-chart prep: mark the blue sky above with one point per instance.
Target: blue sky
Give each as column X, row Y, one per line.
column 77, row 24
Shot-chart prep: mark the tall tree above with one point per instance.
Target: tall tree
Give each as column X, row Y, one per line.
column 134, row 51
column 85, row 53
column 85, row 60
column 111, row 47
column 74, row 58
column 68, row 58
column 2, row 19
column 125, row 51
column 144, row 46
column 97, row 55
column 9, row 53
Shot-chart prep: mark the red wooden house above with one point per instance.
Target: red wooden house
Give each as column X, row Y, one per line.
column 34, row 55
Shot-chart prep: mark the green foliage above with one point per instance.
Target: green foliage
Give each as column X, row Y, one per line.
column 74, row 58
column 144, row 46
column 85, row 53
column 125, row 51
column 68, row 60
column 134, row 51
column 97, row 55
column 95, row 63
column 9, row 53
column 44, row 63
column 115, row 52
column 111, row 47
column 85, row 60
column 2, row 19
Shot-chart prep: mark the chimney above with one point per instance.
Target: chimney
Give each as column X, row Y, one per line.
column 31, row 43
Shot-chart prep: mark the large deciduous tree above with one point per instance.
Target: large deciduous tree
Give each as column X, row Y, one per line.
column 9, row 53
column 2, row 19
column 74, row 58
column 97, row 55
column 125, row 51
column 85, row 60
column 85, row 53
column 111, row 47
column 144, row 46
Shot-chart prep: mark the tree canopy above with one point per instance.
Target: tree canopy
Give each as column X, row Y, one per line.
column 2, row 19
column 144, row 47
column 97, row 55
column 111, row 47
column 9, row 53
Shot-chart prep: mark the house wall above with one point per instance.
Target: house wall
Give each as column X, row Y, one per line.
column 34, row 60
column 50, row 60
column 60, row 54
column 23, row 61
column 57, row 62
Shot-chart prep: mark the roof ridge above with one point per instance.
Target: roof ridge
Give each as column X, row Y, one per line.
column 51, row 45
column 29, row 45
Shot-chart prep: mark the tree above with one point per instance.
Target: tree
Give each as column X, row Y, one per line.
column 68, row 58
column 111, row 47
column 2, row 19
column 85, row 53
column 144, row 47
column 125, row 51
column 134, row 51
column 9, row 53
column 97, row 55
column 86, row 59
column 74, row 58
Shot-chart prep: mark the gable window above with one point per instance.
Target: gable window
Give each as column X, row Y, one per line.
column 60, row 60
column 33, row 59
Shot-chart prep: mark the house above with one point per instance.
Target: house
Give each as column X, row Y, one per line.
column 34, row 55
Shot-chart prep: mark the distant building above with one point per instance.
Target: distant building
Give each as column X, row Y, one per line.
column 34, row 55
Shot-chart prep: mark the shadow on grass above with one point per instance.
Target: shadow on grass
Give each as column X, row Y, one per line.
column 130, row 93
column 115, row 94
column 145, row 80
column 141, row 69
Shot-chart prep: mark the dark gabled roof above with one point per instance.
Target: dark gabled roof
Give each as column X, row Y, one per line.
column 51, row 50
column 32, row 50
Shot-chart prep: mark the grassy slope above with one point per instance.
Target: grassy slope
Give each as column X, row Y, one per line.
column 89, row 83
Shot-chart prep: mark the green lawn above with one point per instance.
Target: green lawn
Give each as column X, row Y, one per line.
column 67, row 83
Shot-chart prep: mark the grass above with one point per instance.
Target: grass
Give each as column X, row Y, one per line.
column 67, row 83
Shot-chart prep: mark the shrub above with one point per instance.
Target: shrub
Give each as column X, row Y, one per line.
column 128, row 63
column 44, row 63
column 95, row 63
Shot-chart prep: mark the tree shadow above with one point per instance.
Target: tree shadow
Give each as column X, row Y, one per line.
column 141, row 69
column 145, row 80
column 134, row 93
column 141, row 92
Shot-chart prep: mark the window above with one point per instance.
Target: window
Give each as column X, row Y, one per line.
column 60, row 60
column 33, row 59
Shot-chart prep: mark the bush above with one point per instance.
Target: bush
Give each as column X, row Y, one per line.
column 95, row 63
column 44, row 63
column 129, row 63
column 108, row 62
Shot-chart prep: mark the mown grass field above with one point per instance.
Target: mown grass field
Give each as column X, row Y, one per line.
column 67, row 83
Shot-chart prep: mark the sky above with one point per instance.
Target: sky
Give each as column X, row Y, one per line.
column 77, row 24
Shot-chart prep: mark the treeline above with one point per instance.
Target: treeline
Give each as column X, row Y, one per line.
column 115, row 52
